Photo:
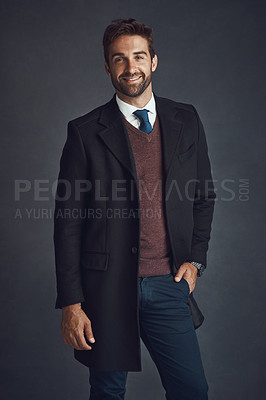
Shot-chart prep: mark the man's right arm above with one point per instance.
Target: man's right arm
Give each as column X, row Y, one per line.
column 67, row 241
column 67, row 226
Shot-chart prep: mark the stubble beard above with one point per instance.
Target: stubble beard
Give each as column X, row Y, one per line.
column 132, row 90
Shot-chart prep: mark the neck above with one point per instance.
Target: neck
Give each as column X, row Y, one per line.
column 139, row 101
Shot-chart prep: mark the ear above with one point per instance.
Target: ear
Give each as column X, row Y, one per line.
column 107, row 69
column 154, row 63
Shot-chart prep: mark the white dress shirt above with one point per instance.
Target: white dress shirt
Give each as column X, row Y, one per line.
column 127, row 110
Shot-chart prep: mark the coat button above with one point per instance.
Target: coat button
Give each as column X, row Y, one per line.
column 134, row 250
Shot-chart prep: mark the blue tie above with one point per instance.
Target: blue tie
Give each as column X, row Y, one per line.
column 145, row 125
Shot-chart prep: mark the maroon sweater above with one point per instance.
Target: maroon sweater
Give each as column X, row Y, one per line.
column 154, row 240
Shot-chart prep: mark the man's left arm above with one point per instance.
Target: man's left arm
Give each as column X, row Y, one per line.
column 203, row 209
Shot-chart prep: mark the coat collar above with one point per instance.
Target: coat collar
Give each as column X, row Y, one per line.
column 115, row 136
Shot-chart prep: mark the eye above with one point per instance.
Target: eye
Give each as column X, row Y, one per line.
column 118, row 59
column 139, row 58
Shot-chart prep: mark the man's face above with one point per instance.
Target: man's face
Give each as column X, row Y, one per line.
column 130, row 65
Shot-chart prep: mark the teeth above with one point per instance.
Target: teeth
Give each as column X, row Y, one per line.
column 133, row 79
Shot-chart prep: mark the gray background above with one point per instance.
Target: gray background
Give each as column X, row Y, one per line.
column 211, row 54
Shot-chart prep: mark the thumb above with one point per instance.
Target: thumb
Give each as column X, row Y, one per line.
column 179, row 275
column 88, row 332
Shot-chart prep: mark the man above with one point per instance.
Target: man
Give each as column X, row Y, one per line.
column 132, row 223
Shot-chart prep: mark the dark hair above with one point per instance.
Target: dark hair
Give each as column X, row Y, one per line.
column 128, row 26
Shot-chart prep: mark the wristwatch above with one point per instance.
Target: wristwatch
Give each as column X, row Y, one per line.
column 200, row 267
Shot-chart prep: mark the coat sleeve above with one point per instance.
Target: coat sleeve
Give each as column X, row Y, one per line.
column 70, row 205
column 203, row 206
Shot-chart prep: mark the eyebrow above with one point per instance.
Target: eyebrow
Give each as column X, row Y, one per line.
column 122, row 54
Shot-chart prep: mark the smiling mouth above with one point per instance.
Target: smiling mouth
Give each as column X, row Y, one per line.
column 132, row 79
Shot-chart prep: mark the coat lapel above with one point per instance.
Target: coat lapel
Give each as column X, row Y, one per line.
column 115, row 136
column 171, row 124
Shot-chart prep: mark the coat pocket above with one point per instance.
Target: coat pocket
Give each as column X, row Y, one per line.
column 187, row 154
column 94, row 260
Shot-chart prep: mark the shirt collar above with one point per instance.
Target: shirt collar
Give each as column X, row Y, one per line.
column 128, row 109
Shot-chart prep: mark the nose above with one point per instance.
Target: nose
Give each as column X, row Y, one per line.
column 131, row 67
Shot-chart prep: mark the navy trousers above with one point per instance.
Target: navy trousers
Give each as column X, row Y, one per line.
column 167, row 330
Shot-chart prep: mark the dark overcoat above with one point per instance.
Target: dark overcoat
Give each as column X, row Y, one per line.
column 97, row 221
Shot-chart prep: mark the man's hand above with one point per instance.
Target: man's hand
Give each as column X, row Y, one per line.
column 74, row 323
column 189, row 272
